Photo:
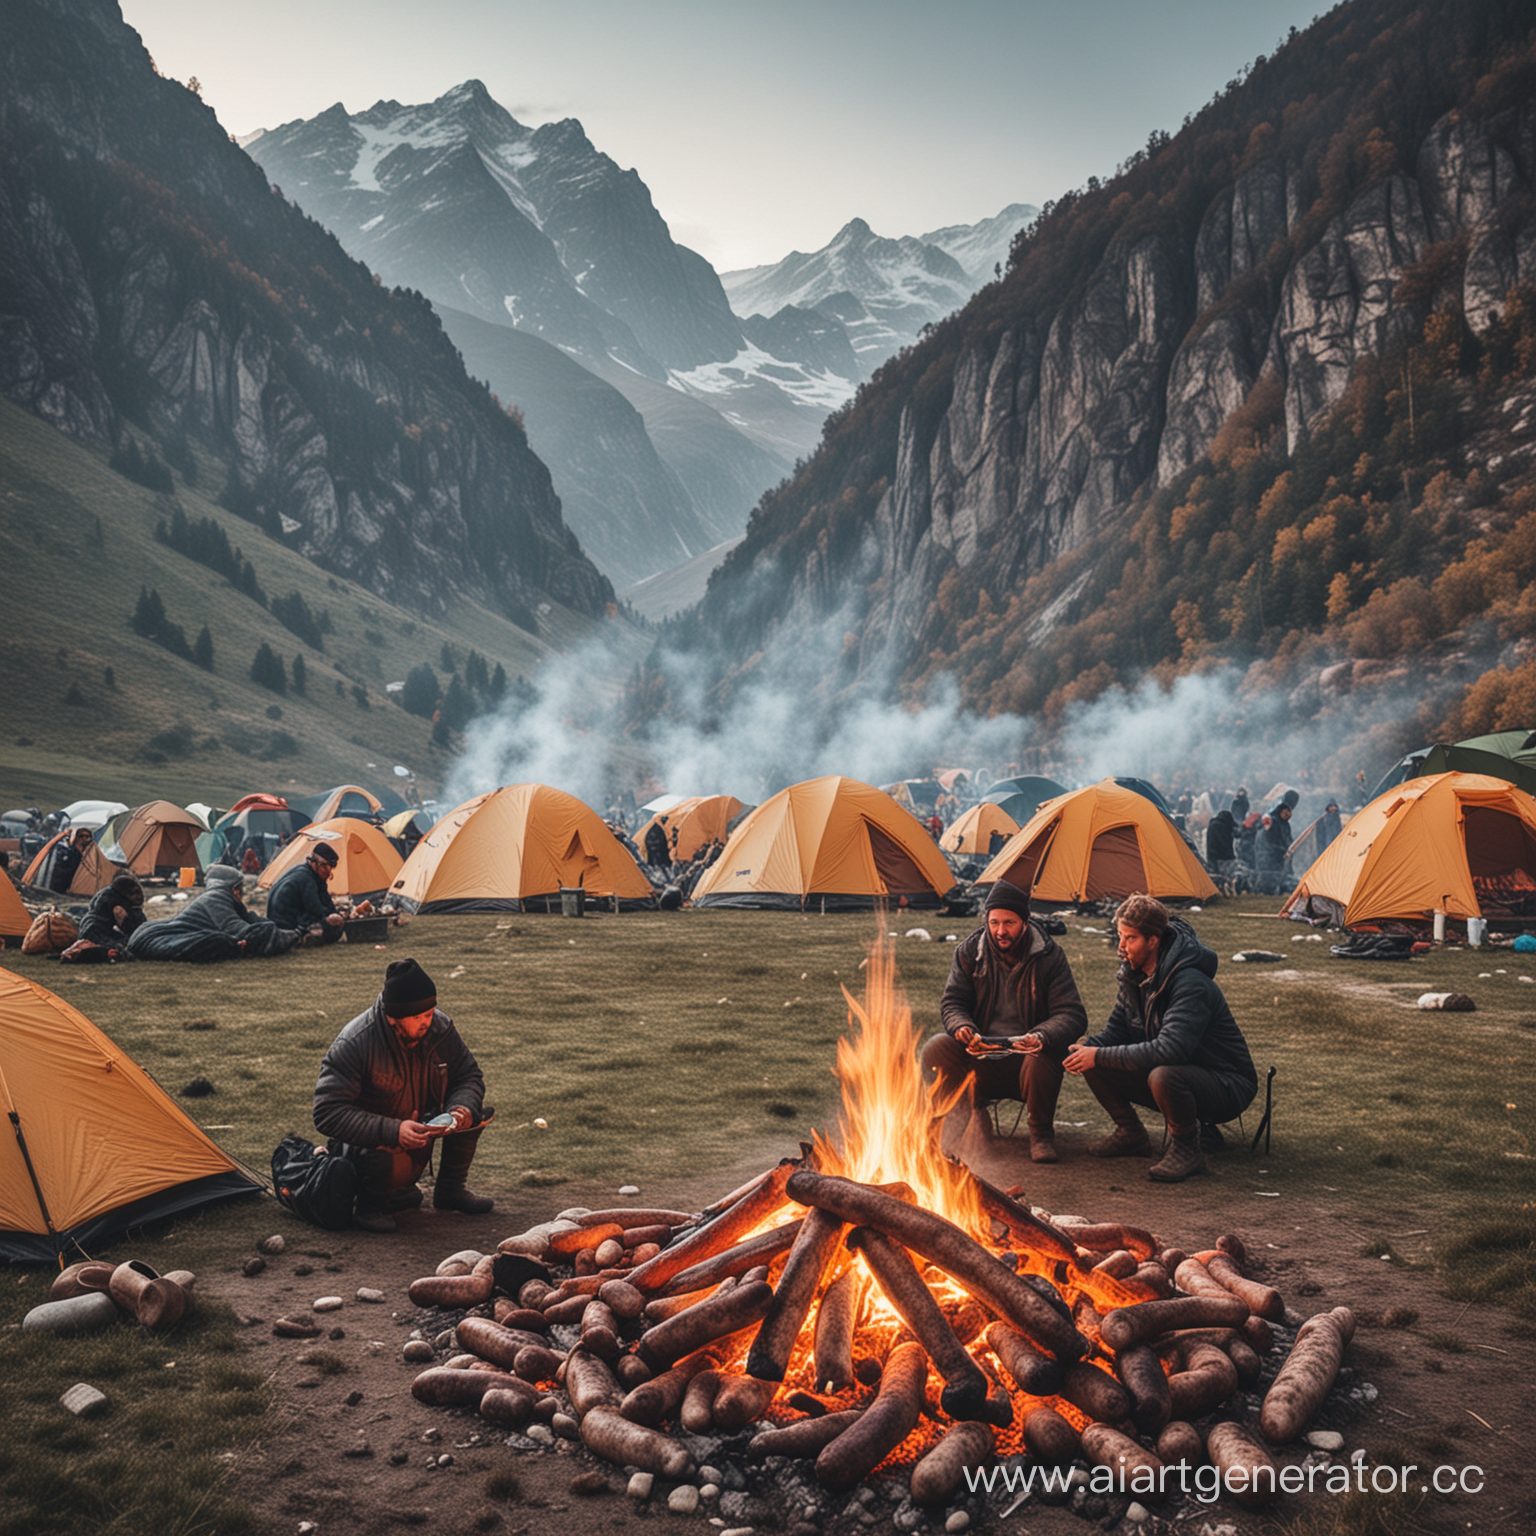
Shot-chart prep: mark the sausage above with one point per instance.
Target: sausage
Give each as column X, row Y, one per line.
column 724, row 1312
column 698, row 1411
column 589, row 1383
column 1179, row 1444
column 814, row 1246
column 937, row 1477
column 1263, row 1300
column 443, row 1388
column 1231, row 1244
column 965, row 1383
column 835, row 1321
column 1194, row 1279
column 1050, row 1437
column 740, row 1401
column 621, row 1298
column 663, row 1307
column 637, row 1236
column 805, row 1437
column 537, row 1362
column 510, row 1315
column 1085, row 1316
column 606, row 1433
column 1096, row 1392
column 580, row 1238
column 495, row 1343
column 639, row 1217
column 1032, row 1372
column 883, row 1425
column 1141, row 1373
column 1106, row 1236
column 600, row 1330
column 451, row 1290
column 1247, row 1471
column 632, row 1371
column 1137, row 1471
column 534, row 1293
column 732, row 1261
column 508, row 1406
column 1126, row 1326
column 1304, row 1380
column 939, row 1241
column 659, row 1398
column 1119, row 1265
column 1242, row 1356
column 570, row 1309
column 1208, row 1378
column 1260, row 1336
column 1171, row 1258
column 1154, row 1278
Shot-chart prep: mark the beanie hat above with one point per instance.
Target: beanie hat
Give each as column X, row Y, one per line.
column 408, row 990
column 222, row 874
column 324, row 852
column 1007, row 896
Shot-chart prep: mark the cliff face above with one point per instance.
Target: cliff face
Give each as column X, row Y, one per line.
column 150, row 276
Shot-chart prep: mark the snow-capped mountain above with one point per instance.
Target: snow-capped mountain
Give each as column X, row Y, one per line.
column 982, row 248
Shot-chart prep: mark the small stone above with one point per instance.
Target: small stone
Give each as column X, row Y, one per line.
column 640, row 1485
column 629, row 1189
column 709, row 1492
column 353, row 1398
column 418, row 1350
column 431, row 1436
column 337, row 1333
column 274, row 1244
column 446, row 1459
column 1137, row 1514
column 708, row 1474
column 362, row 1448
column 1357, row 1457
column 325, row 1304
column 739, row 1530
column 587, row 1484
column 565, row 1426
column 447, row 1339
column 292, row 1328
column 303, row 1269
column 84, row 1400
column 958, row 1521
column 254, row 1266
column 683, row 1499
column 369, row 1293
column 307, row 1527
column 1325, row 1439
column 541, row 1434
column 399, row 1458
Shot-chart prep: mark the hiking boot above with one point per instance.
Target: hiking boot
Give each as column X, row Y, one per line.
column 458, row 1198
column 371, row 1219
column 1182, row 1159
column 1211, row 1138
column 408, row 1198
column 1042, row 1145
column 1123, row 1142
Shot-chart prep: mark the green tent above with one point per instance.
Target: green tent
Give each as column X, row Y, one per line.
column 1508, row 755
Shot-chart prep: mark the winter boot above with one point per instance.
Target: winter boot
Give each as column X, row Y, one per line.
column 1042, row 1144
column 449, row 1194
column 1182, row 1159
column 1129, row 1139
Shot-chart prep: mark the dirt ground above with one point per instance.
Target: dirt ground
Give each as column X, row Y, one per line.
column 352, row 1452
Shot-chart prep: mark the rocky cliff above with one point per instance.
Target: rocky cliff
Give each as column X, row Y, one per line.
column 149, row 275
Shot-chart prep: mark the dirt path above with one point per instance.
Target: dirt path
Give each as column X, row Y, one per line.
column 351, row 1451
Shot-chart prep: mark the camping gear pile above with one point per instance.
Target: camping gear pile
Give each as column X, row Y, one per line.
column 88, row 1297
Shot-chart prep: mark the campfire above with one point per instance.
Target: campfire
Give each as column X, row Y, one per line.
column 875, row 1308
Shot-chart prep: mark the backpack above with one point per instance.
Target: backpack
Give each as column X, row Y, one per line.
column 50, row 933
column 318, row 1186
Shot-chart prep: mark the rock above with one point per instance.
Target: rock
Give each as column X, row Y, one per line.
column 399, row 1458
column 88, row 1313
column 362, row 1448
column 418, row 1351
column 369, row 1293
column 292, row 1328
column 640, row 1485
column 540, row 1434
column 709, row 1474
column 254, row 1266
column 587, row 1484
column 958, row 1521
column 565, row 1426
column 446, row 1459
column 84, row 1400
column 274, row 1244
column 431, row 1436
column 629, row 1189
column 683, row 1499
column 446, row 1339
column 1137, row 1514
column 709, row 1492
column 352, row 1399
column 739, row 1530
column 325, row 1304
column 337, row 1333
column 303, row 1269
column 1325, row 1439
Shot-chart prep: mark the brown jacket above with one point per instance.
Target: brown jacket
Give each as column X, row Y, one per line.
column 1047, row 993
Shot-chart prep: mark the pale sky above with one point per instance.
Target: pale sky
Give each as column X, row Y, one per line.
column 760, row 126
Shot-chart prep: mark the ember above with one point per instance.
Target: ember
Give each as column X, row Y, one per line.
column 877, row 1307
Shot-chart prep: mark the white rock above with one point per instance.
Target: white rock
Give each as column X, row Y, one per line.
column 920, row 933
column 565, row 1426
column 431, row 1436
column 629, row 1189
column 640, row 1485
column 1325, row 1440
column 369, row 1293
column 683, row 1499
column 273, row 1244
column 326, row 1304
column 541, row 1434
column 307, row 1527
column 958, row 1521
column 710, row 1475
column 1357, row 1457
column 1137, row 1513
column 83, row 1400
column 709, row 1492
column 739, row 1530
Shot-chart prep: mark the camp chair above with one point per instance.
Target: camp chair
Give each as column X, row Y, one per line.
column 1211, row 1138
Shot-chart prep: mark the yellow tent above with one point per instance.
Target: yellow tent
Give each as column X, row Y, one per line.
column 157, row 838
column 1460, row 843
column 1100, row 843
column 833, row 842
column 94, row 1144
column 971, row 835
column 519, row 845
column 693, row 823
column 366, row 861
column 14, row 917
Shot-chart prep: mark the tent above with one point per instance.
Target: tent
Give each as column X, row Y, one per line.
column 94, row 1145
column 1022, row 797
column 158, row 838
column 344, row 800
column 1150, row 791
column 366, row 861
column 262, row 822
column 971, row 834
column 1099, row 843
column 1501, row 755
column 94, row 870
column 693, row 823
column 516, row 849
column 14, row 917
column 94, row 814
column 1459, row 843
column 832, row 842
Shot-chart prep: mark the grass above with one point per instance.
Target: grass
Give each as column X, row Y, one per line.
column 660, row 1051
column 77, row 543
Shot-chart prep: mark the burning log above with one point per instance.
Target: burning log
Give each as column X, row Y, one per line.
column 833, row 1339
column 1309, row 1372
column 882, row 1426
column 733, row 1261
column 725, row 1312
column 944, row 1244
column 805, row 1437
column 937, row 1477
column 815, row 1243
column 965, row 1383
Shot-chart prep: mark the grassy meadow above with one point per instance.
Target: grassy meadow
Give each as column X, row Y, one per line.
column 688, row 1050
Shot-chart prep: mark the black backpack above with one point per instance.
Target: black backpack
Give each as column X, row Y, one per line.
column 318, row 1186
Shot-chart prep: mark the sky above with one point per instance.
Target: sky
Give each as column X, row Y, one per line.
column 760, row 126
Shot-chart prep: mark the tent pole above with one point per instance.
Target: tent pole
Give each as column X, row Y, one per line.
column 37, row 1189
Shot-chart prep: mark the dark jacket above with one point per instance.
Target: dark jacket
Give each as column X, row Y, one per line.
column 1048, row 1003
column 1218, row 838
column 216, row 926
column 1274, row 841
column 100, row 926
column 299, row 899
column 1176, row 1017
column 369, row 1082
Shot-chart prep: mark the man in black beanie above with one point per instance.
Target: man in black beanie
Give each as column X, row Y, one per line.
column 300, row 898
column 389, row 1072
column 1009, row 980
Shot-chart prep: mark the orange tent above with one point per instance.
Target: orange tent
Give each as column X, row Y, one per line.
column 14, row 917
column 348, row 800
column 971, row 834
column 94, row 870
column 95, row 1144
column 1459, row 843
column 157, row 838
column 519, row 845
column 693, row 823
column 366, row 861
column 1098, row 843
column 833, row 842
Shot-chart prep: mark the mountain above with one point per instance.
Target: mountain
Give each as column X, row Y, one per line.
column 536, row 229
column 983, row 248
column 151, row 277
column 1257, row 399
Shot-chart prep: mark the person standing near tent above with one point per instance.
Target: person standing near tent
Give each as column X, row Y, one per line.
column 391, row 1071
column 301, row 898
column 1009, row 979
column 1329, row 825
column 66, row 859
column 1170, row 1044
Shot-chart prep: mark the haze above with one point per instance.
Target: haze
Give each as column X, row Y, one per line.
column 759, row 128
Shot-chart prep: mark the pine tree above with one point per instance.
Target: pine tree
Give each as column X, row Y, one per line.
column 458, row 706
column 299, row 676
column 202, row 649
column 267, row 669
column 419, row 696
column 148, row 614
